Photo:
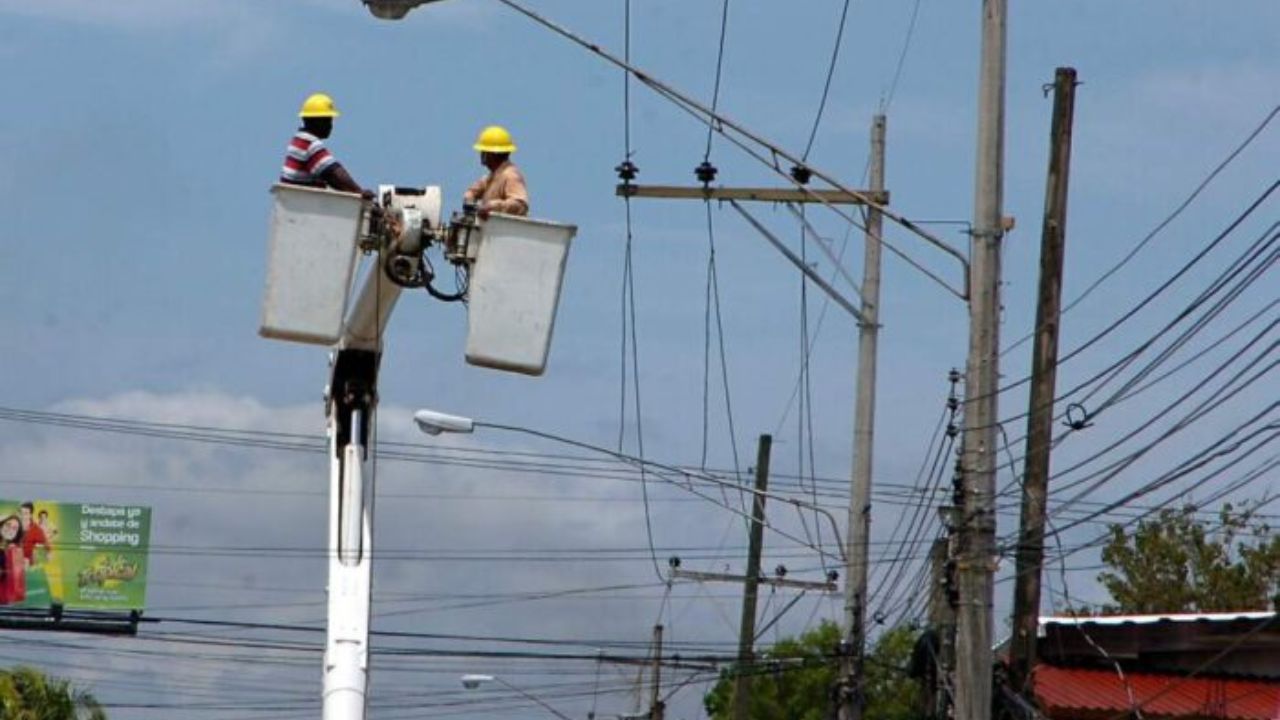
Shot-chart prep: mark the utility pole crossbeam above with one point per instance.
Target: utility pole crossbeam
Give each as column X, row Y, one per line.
column 1035, row 484
column 877, row 196
column 829, row 586
column 850, row 691
column 975, row 552
column 747, row 631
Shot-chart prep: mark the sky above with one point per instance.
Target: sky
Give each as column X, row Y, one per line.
column 137, row 147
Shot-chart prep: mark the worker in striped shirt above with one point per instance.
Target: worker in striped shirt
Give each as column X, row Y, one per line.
column 308, row 161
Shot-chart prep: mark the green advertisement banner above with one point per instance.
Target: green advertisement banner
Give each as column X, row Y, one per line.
column 80, row 556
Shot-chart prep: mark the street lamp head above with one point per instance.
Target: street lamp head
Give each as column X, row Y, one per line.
column 434, row 423
column 471, row 682
column 393, row 9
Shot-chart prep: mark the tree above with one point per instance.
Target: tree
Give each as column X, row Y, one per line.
column 1176, row 562
column 793, row 680
column 28, row 694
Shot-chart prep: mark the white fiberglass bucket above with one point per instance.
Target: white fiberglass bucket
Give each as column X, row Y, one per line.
column 311, row 256
column 514, row 290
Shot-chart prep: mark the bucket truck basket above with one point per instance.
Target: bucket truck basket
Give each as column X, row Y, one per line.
column 311, row 256
column 514, row 290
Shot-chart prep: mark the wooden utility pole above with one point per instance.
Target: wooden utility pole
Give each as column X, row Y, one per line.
column 976, row 551
column 1044, row 370
column 657, row 708
column 747, row 631
column 851, row 694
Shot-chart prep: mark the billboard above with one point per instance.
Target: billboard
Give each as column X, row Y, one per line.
column 81, row 556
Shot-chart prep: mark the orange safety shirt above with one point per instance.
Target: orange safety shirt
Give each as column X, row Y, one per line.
column 502, row 190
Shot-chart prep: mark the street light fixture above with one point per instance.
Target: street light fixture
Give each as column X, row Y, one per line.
column 393, row 9
column 473, row 681
column 434, row 423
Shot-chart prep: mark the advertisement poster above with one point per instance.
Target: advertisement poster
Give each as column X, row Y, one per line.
column 80, row 556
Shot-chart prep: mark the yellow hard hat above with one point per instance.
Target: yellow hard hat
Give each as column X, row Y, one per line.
column 318, row 105
column 495, row 139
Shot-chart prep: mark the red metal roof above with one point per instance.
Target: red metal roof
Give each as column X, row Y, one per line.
column 1077, row 691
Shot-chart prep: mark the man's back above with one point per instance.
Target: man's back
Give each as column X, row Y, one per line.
column 306, row 160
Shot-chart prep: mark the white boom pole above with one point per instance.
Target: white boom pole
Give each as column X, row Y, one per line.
column 351, row 406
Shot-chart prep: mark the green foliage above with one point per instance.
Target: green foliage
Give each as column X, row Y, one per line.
column 1176, row 562
column 891, row 695
column 793, row 680
column 29, row 694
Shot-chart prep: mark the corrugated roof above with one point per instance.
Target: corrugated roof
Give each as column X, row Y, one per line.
column 1149, row 619
column 1102, row 691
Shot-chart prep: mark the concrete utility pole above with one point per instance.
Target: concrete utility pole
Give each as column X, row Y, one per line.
column 851, row 694
column 942, row 619
column 1044, row 370
column 747, row 632
column 657, row 709
column 976, row 551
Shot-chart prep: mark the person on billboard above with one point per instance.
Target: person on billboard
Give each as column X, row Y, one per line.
column 10, row 531
column 53, row 573
column 13, row 566
column 32, row 535
column 50, row 530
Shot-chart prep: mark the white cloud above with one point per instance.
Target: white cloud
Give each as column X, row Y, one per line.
column 149, row 15
column 198, row 407
column 1158, row 133
column 238, row 534
column 138, row 14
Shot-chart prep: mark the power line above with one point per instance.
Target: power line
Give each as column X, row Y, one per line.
column 1150, row 297
column 1204, row 183
column 826, row 85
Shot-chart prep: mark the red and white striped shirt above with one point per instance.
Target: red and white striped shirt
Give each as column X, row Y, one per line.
column 306, row 160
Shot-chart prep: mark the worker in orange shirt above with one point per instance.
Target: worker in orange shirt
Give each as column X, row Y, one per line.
column 502, row 189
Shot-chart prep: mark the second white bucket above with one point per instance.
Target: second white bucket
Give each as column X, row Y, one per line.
column 514, row 292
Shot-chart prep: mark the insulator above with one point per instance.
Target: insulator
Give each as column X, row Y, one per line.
column 627, row 171
column 706, row 172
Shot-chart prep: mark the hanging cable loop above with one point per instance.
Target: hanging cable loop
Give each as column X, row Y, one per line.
column 1077, row 417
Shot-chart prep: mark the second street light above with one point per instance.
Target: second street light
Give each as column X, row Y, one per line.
column 474, row 681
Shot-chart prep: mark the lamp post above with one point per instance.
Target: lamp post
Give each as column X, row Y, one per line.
column 473, row 681
column 434, row 423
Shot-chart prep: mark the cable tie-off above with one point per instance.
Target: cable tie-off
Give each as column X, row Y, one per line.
column 1077, row 417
